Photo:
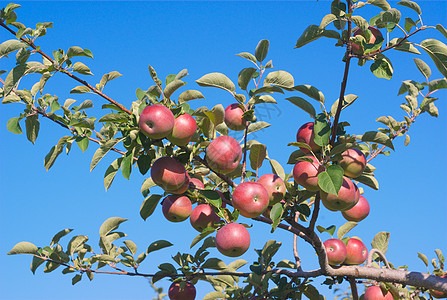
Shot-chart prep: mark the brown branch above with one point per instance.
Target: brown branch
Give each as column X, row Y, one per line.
column 355, row 294
column 244, row 160
column 60, row 69
column 314, row 217
column 380, row 254
column 220, row 175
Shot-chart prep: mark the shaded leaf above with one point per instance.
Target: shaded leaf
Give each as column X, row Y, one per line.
column 32, row 127
column 410, row 4
column 10, row 46
column 382, row 67
column 303, row 104
column 75, row 243
column 23, row 248
column 202, row 235
column 81, row 69
column 13, row 125
column 331, row 180
column 261, row 50
column 258, row 153
column 257, row 126
column 80, row 90
column 380, row 241
column 380, row 3
column 111, row 172
column 218, row 80
column 110, row 224
column 157, row 245
column 248, row 56
column 377, row 137
column 148, row 206
column 312, row 33
column 310, row 91
column 76, row 279
column 422, row 67
column 438, row 52
column 368, row 180
column 172, row 87
column 330, row 229
column 277, row 168
column 108, row 77
column 131, row 246
column 78, row 51
column 59, row 235
column 345, row 228
column 189, row 95
column 442, row 30
column 35, row 263
column 102, row 151
column 348, row 100
column 279, row 78
column 245, row 75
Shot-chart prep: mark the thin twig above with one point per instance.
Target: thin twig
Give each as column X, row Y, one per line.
column 355, row 294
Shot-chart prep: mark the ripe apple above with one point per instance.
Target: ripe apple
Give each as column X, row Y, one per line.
column 306, row 135
column 176, row 208
column 176, row 292
column 438, row 294
column 184, row 128
column 375, row 293
column 232, row 240
column 170, row 175
column 203, row 216
column 336, row 251
column 251, row 199
column 275, row 187
column 347, row 197
column 353, row 162
column 233, row 117
column 359, row 212
column 357, row 252
column 197, row 183
column 306, row 173
column 356, row 49
column 224, row 154
column 156, row 121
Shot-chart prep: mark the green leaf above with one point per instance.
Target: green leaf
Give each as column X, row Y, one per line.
column 261, row 50
column 345, row 228
column 148, row 206
column 110, row 224
column 262, row 99
column 81, row 69
column 32, row 127
column 437, row 84
column 410, row 4
column 35, row 263
column 237, row 264
column 102, row 151
column 131, row 246
column 382, row 67
column 303, row 104
column 330, row 181
column 277, row 169
column 214, row 264
column 438, row 52
column 363, row 25
column 202, row 235
column 108, row 77
column 11, row 98
column 423, row 258
column 422, row 67
column 248, row 56
column 380, row 241
column 218, row 80
column 126, row 163
column 181, row 74
column 172, row 87
column 327, row 19
column 442, row 30
column 84, row 105
column 312, row 33
column 310, row 91
column 18, row 72
column 266, row 89
column 84, row 123
column 244, row 77
column 377, row 137
column 75, row 243
column 282, row 79
column 78, row 51
column 407, row 140
column 276, row 214
column 23, row 248
column 111, row 172
column 253, row 127
column 189, row 95
column 285, row 263
column 50, row 158
column 76, row 279
column 14, row 126
column 213, row 197
column 115, row 117
column 380, row 3
column 258, row 153
column 214, row 296
column 10, row 46
column 440, row 256
column 330, row 229
column 406, row 47
column 60, row 235
column 80, row 90
column 322, row 130
column 157, row 245
column 348, row 100
column 82, row 142
column 368, row 180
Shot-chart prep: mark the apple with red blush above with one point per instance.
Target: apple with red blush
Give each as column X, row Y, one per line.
column 275, row 187
column 233, row 240
column 170, row 174
column 359, row 212
column 182, row 291
column 357, row 49
column 347, row 197
column 224, row 154
column 336, row 251
column 184, row 128
column 306, row 135
column 375, row 293
column 176, row 208
column 203, row 216
column 353, row 162
column 356, row 252
column 305, row 173
column 234, row 118
column 251, row 199
column 156, row 121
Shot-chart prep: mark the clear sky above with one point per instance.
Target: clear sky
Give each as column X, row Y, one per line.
column 204, row 37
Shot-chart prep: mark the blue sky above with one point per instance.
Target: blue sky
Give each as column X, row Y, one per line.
column 204, row 37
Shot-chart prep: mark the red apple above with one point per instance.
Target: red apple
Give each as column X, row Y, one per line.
column 306, row 135
column 336, row 251
column 176, row 208
column 275, row 187
column 203, row 216
column 347, row 197
column 224, row 154
column 359, row 212
column 156, row 121
column 176, row 292
column 375, row 293
column 197, row 183
column 356, row 49
column 184, row 128
column 306, row 173
column 251, row 199
column 232, row 240
column 357, row 252
column 353, row 162
column 233, row 117
column 438, row 294
column 170, row 175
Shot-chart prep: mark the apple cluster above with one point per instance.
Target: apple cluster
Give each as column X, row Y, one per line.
column 354, row 252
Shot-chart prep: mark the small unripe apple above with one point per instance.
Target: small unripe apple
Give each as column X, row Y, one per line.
column 197, row 183
column 306, row 135
column 234, row 117
column 438, row 294
column 275, row 187
column 176, row 208
column 232, row 240
column 170, row 175
column 251, row 199
column 306, row 173
column 375, row 293
column 176, row 292
column 359, row 212
column 224, row 154
column 347, row 197
column 156, row 121
column 184, row 128
column 353, row 162
column 357, row 49
column 356, row 252
column 336, row 251
column 203, row 216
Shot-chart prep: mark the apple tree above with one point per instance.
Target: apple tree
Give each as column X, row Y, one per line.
column 212, row 181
